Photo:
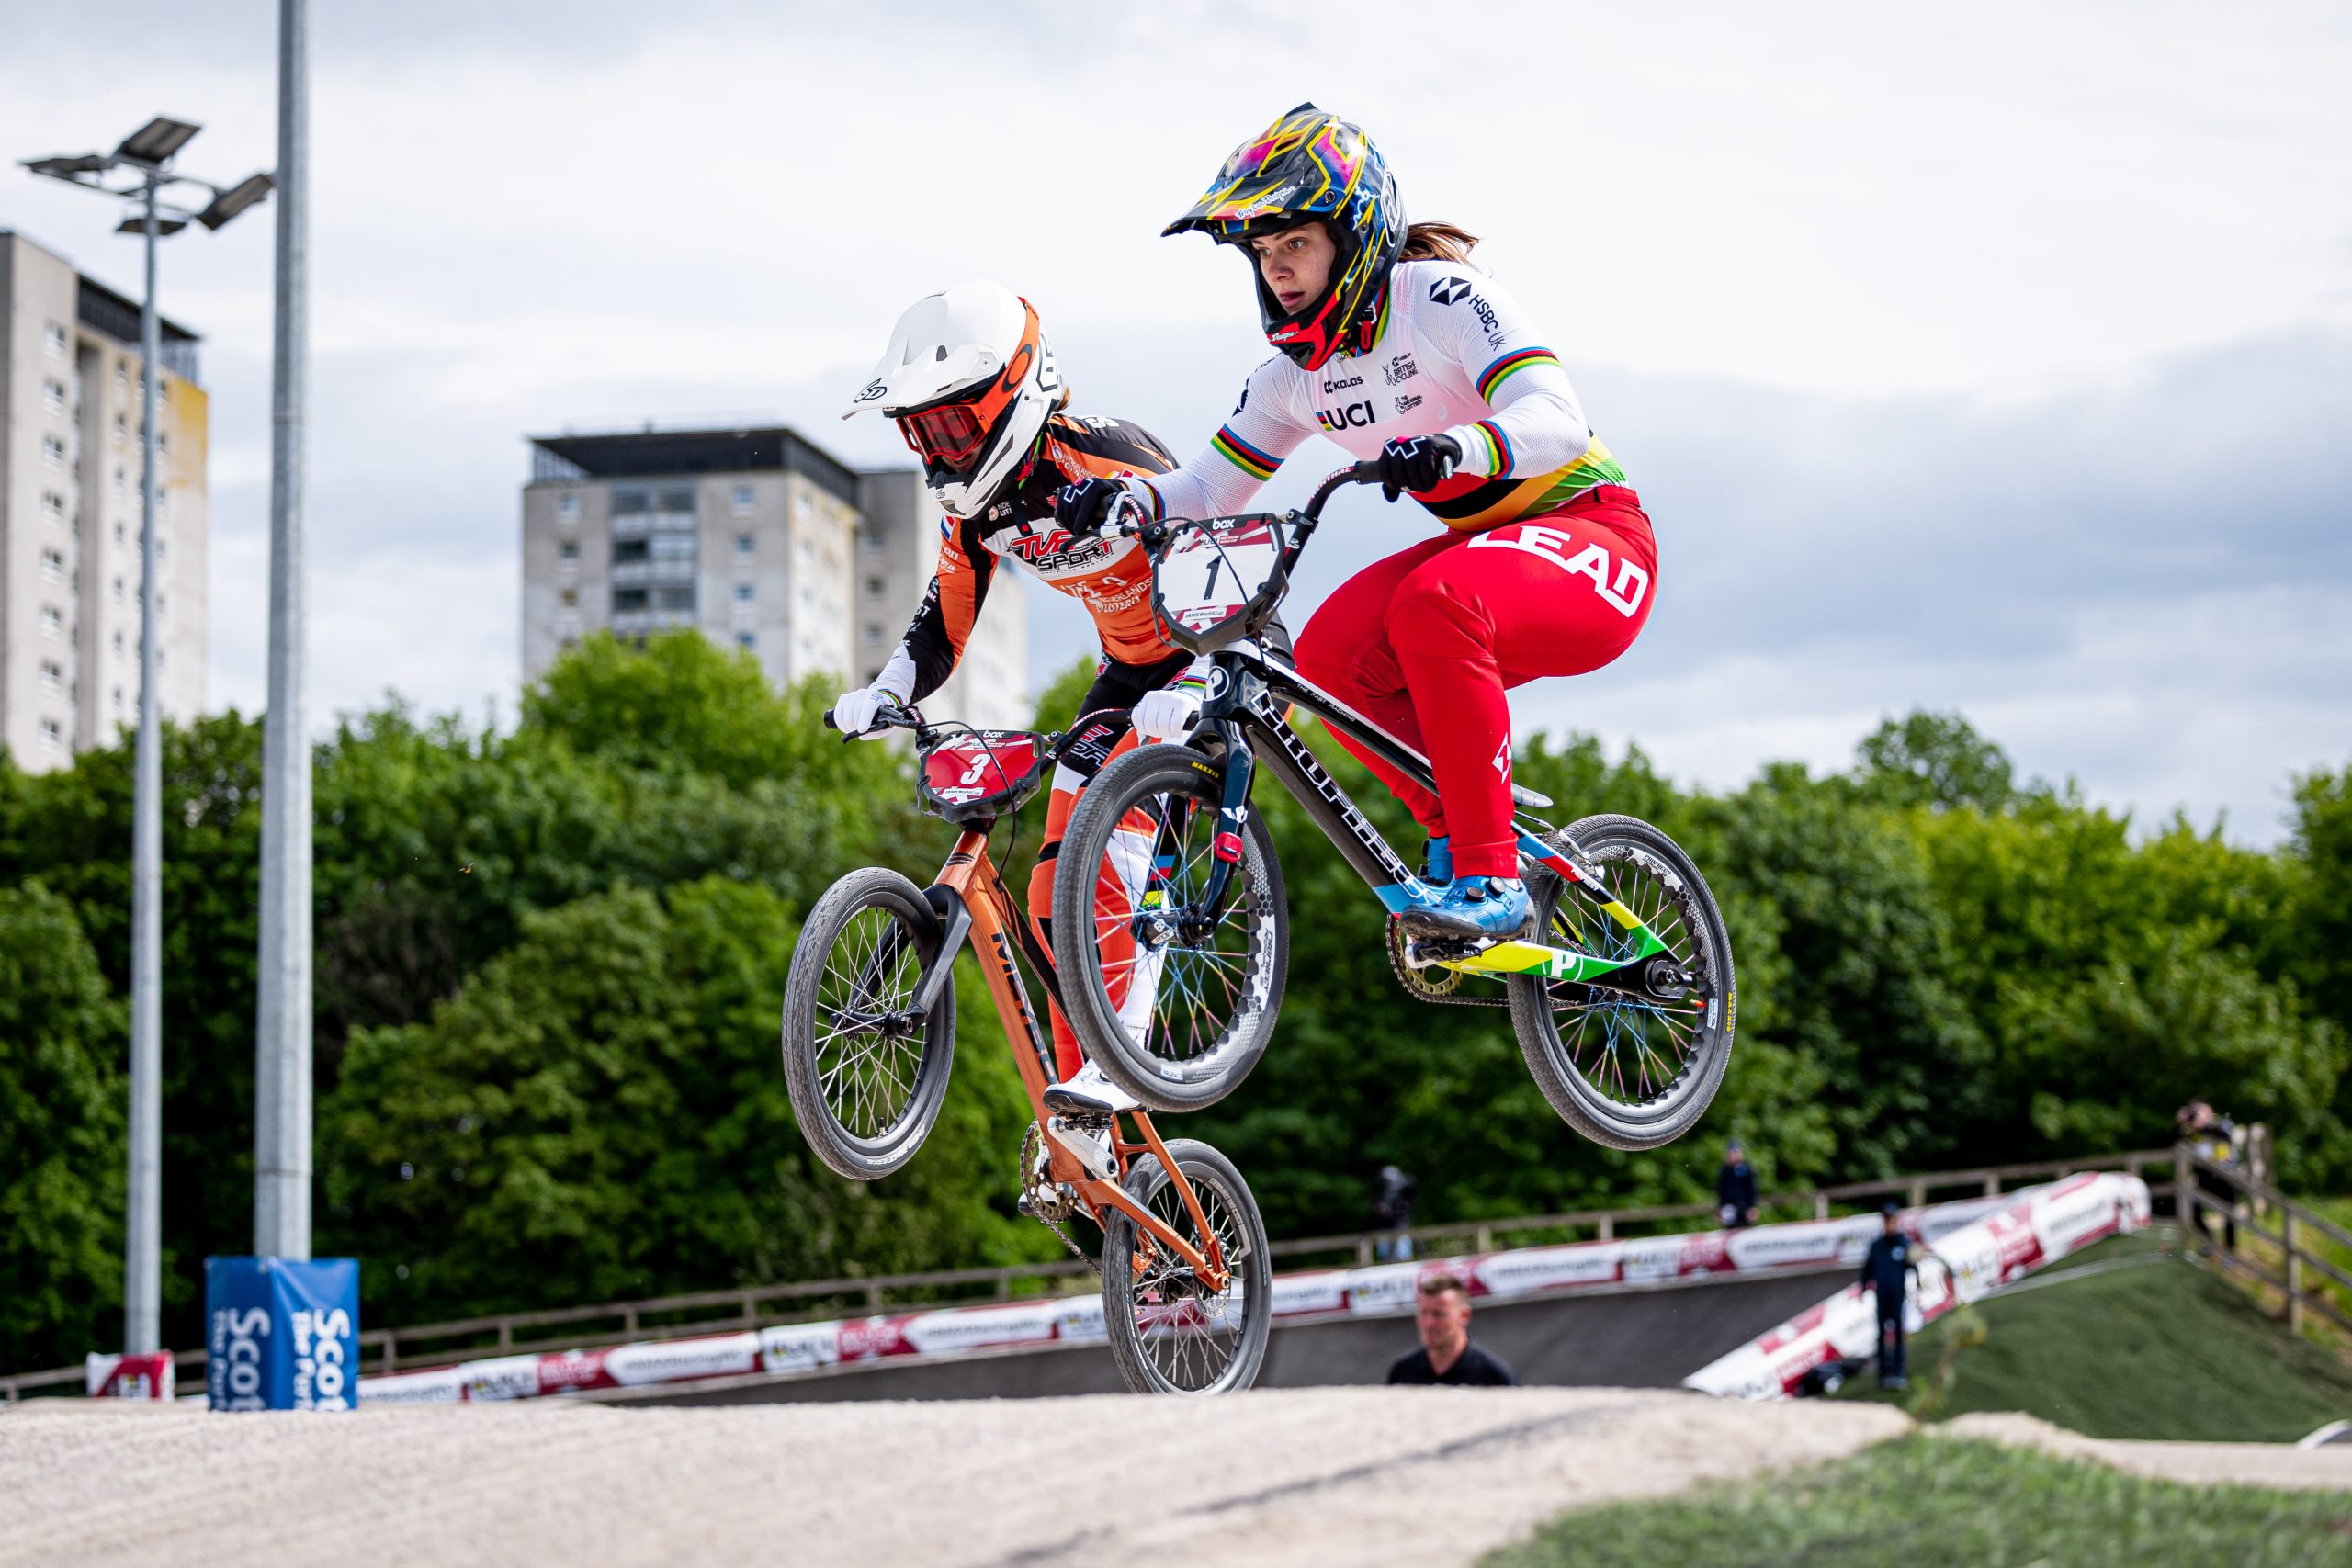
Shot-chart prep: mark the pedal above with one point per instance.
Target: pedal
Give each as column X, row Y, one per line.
column 1431, row 951
column 1088, row 1141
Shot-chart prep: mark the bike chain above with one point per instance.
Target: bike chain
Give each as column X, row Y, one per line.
column 1425, row 990
column 1032, row 1144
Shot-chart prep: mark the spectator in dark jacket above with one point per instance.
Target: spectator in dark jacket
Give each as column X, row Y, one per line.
column 1889, row 1269
column 1735, row 1188
column 1447, row 1354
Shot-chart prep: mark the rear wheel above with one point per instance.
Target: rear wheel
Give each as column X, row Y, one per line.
column 1173, row 1000
column 1169, row 1331
column 866, row 1077
column 1627, row 1071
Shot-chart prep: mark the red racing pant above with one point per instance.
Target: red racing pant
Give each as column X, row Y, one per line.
column 1426, row 642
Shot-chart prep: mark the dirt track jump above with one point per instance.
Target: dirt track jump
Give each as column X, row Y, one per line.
column 1279, row 1477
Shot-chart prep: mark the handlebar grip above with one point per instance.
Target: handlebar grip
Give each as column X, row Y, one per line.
column 829, row 720
column 1366, row 472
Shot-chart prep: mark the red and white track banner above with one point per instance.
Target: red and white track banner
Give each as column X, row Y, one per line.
column 806, row 1348
column 2026, row 1230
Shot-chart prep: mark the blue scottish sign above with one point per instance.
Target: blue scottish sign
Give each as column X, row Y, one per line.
column 281, row 1333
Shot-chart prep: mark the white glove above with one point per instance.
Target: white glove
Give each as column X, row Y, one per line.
column 853, row 711
column 1168, row 714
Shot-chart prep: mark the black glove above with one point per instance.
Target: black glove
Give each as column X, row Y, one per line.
column 1416, row 462
column 1084, row 507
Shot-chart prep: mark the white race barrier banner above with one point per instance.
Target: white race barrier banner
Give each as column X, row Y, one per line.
column 1958, row 1264
column 799, row 1349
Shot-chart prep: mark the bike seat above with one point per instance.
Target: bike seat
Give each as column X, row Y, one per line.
column 1534, row 799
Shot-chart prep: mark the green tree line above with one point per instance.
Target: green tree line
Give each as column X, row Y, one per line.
column 549, row 963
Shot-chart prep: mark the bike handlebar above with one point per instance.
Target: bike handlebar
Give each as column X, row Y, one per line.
column 887, row 717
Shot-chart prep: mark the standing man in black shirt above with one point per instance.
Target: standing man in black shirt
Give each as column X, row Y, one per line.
column 1888, row 1270
column 1447, row 1355
column 1736, row 1188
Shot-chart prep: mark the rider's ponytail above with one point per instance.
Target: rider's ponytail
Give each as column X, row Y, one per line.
column 1437, row 241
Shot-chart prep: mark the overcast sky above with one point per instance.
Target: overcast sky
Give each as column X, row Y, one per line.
column 1987, row 356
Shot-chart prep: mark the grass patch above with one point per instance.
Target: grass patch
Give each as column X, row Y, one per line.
column 1928, row 1502
column 2166, row 1351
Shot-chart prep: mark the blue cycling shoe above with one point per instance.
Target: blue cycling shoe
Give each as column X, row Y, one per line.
column 1437, row 861
column 1492, row 907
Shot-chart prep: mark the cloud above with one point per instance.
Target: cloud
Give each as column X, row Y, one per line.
column 1896, row 317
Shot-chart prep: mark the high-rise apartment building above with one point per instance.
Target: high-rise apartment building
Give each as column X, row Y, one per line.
column 760, row 540
column 71, row 390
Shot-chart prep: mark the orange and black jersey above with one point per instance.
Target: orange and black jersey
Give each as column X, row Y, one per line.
column 1109, row 576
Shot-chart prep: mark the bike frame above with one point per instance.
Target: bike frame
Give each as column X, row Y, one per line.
column 973, row 902
column 1244, row 724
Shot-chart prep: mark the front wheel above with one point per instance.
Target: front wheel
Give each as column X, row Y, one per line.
column 1174, row 1000
column 866, row 1076
column 1169, row 1332
column 1626, row 1071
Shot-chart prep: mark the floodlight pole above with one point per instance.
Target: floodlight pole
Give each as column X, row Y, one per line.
column 143, row 1262
column 282, row 1028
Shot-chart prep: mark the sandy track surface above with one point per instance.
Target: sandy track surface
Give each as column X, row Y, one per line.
column 2244, row 1464
column 1307, row 1476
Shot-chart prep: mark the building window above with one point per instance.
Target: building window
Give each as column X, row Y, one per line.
column 121, row 481
column 118, row 645
column 53, row 566
column 675, row 598
column 52, row 677
column 671, row 546
column 117, row 591
column 53, row 338
column 677, row 501
column 53, row 393
column 567, row 509
column 118, row 697
column 52, row 451
column 746, row 640
column 627, row 552
column 742, row 593
column 628, row 599
column 802, row 507
column 52, row 507
column 52, row 623
column 121, row 373
column 873, row 635
column 873, row 586
column 571, row 598
column 568, row 552
column 873, row 537
column 119, row 429
column 744, row 499
column 118, row 535
column 51, row 735
column 624, row 501
column 744, row 546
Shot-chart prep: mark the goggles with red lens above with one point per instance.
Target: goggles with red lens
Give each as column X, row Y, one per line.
column 948, row 437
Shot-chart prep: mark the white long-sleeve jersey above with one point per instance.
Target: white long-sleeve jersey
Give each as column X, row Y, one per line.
column 1452, row 355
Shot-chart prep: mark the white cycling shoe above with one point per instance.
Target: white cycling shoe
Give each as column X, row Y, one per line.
column 1083, row 1106
column 1087, row 1092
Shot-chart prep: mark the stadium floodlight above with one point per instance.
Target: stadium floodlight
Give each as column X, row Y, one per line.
column 227, row 204
column 155, row 141
column 142, row 156
column 66, row 168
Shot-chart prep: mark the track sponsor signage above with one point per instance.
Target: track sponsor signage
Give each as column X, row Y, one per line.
column 2009, row 1238
column 281, row 1333
column 801, row 1349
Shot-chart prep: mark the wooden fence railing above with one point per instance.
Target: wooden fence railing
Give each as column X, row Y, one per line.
column 2239, row 1197
column 761, row 1306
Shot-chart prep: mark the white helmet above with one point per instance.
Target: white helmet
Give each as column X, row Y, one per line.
column 970, row 381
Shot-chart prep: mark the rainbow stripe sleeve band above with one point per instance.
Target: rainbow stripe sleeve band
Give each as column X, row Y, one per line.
column 1510, row 365
column 1243, row 455
column 1499, row 443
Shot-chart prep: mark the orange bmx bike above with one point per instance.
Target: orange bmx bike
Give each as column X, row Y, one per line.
column 869, row 1035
